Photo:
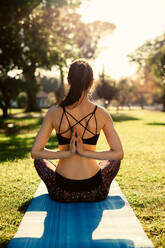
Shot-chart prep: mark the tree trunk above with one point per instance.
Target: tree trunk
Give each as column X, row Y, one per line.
column 31, row 90
column 5, row 112
column 5, row 104
column 60, row 91
column 32, row 104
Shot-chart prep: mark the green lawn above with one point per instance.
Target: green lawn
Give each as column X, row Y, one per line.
column 141, row 176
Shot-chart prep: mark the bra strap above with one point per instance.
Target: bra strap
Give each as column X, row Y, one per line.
column 67, row 118
column 95, row 118
column 96, row 122
column 79, row 122
column 93, row 113
column 61, row 121
column 95, row 109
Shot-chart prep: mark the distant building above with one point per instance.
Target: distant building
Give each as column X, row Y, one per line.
column 42, row 97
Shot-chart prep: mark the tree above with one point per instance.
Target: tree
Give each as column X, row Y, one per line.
column 88, row 35
column 105, row 89
column 157, row 62
column 148, row 90
column 45, row 33
column 26, row 39
column 152, row 55
column 8, row 92
column 125, row 94
column 81, row 40
column 48, row 84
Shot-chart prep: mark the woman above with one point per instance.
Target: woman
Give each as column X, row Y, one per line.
column 77, row 122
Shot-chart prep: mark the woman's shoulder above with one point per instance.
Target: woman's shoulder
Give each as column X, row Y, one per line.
column 54, row 110
column 103, row 112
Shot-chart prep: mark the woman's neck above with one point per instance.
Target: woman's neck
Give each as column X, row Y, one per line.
column 83, row 100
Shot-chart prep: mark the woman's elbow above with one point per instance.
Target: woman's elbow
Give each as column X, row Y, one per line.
column 33, row 154
column 121, row 155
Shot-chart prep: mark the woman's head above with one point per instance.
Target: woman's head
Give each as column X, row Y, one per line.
column 80, row 78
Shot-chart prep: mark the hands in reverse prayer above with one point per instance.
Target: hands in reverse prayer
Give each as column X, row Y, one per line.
column 76, row 144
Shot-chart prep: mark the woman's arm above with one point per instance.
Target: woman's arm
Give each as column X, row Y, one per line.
column 49, row 154
column 103, row 155
column 114, row 153
column 38, row 148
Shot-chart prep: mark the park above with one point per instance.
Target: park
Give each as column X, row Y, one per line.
column 45, row 36
column 141, row 176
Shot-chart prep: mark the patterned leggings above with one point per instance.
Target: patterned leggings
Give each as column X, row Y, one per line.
column 109, row 169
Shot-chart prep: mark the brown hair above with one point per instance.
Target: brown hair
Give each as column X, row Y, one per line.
column 80, row 77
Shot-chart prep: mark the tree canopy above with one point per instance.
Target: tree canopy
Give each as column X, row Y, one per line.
column 39, row 34
column 152, row 55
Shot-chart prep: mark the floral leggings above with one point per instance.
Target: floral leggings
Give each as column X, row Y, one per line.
column 109, row 169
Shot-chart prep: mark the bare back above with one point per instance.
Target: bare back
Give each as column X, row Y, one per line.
column 77, row 167
column 89, row 119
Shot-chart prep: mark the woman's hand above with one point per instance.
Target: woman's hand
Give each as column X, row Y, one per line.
column 76, row 144
column 73, row 143
column 79, row 146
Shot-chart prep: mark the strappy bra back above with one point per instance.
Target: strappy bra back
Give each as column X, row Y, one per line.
column 64, row 140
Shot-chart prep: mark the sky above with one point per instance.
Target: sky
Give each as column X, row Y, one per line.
column 136, row 21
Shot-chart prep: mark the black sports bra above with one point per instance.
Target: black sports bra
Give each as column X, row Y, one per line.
column 64, row 141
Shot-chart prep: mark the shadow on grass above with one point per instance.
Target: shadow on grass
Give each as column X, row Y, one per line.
column 122, row 117
column 19, row 125
column 17, row 147
column 156, row 123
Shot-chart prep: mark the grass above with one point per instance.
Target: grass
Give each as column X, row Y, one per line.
column 141, row 176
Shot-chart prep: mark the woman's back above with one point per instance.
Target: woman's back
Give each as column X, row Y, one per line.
column 88, row 119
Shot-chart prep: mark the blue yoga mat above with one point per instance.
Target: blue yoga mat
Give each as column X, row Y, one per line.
column 108, row 223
